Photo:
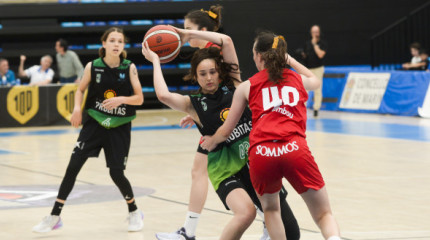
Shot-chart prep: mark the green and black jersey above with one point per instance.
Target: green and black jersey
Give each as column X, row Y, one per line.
column 105, row 83
column 228, row 157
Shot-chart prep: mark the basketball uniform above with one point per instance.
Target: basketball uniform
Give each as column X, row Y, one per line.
column 278, row 146
column 103, row 128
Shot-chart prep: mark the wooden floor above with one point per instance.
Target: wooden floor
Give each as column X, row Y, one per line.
column 377, row 170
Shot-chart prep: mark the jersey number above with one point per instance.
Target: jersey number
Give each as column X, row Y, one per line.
column 286, row 92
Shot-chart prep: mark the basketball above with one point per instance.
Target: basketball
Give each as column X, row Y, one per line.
column 164, row 41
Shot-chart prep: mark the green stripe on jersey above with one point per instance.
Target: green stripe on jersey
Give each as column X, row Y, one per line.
column 227, row 161
column 108, row 121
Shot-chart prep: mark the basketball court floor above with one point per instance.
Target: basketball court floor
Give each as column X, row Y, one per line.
column 376, row 167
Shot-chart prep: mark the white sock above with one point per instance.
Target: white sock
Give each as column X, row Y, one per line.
column 191, row 223
column 334, row 238
column 260, row 213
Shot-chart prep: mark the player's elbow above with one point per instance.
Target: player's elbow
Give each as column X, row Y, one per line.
column 140, row 99
column 227, row 40
column 163, row 97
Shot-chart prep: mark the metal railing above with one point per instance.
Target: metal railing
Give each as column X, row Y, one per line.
column 390, row 47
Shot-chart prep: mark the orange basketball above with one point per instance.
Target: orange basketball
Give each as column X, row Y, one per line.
column 163, row 40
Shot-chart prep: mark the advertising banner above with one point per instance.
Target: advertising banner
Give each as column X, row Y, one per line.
column 364, row 91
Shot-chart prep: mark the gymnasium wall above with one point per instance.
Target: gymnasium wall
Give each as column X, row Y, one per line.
column 346, row 25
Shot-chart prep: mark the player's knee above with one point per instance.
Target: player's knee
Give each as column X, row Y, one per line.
column 247, row 214
column 116, row 174
column 198, row 173
column 75, row 164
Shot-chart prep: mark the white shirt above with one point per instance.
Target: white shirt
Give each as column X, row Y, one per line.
column 416, row 59
column 36, row 74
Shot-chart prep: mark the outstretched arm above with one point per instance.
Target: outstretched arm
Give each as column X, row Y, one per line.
column 240, row 101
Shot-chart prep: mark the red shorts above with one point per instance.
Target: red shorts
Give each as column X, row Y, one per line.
column 270, row 161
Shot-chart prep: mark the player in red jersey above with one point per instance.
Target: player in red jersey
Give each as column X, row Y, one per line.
column 277, row 96
column 210, row 20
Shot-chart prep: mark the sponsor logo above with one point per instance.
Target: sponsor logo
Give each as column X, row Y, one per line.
column 109, row 94
column 283, row 111
column 98, row 78
column 232, row 181
column 66, row 100
column 99, row 69
column 121, row 77
column 240, row 130
column 224, row 113
column 243, row 150
column 162, row 51
column 106, row 122
column 204, row 105
column 158, row 39
column 80, row 145
column 116, row 111
column 23, row 103
column 277, row 151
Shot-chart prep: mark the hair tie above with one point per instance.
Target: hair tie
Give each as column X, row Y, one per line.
column 210, row 13
column 276, row 41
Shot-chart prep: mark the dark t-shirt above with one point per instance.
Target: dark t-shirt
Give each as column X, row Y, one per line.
column 312, row 60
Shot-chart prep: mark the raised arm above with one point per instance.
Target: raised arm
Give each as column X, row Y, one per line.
column 240, row 101
column 226, row 43
column 173, row 100
column 21, row 71
column 310, row 81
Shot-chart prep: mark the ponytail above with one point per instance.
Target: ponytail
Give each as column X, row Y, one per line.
column 273, row 50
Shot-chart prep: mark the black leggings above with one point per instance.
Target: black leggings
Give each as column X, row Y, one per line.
column 75, row 166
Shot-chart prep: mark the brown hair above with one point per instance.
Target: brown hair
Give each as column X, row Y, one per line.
column 210, row 19
column 415, row 45
column 224, row 69
column 272, row 54
column 102, row 50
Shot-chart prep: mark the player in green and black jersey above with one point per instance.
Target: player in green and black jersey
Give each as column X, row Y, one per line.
column 217, row 76
column 113, row 90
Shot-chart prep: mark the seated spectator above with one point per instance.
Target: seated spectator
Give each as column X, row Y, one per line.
column 39, row 74
column 415, row 52
column 7, row 76
column 423, row 65
column 69, row 66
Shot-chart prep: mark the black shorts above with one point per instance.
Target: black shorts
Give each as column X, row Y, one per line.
column 115, row 143
column 242, row 180
column 201, row 150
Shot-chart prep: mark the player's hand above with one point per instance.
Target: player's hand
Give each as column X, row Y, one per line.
column 186, row 122
column 112, row 103
column 148, row 53
column 183, row 34
column 76, row 119
column 22, row 58
column 207, row 142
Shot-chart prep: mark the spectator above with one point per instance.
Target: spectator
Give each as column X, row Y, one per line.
column 415, row 52
column 423, row 64
column 69, row 66
column 39, row 74
column 314, row 52
column 7, row 76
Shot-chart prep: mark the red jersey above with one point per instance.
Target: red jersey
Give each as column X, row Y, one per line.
column 211, row 44
column 278, row 110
